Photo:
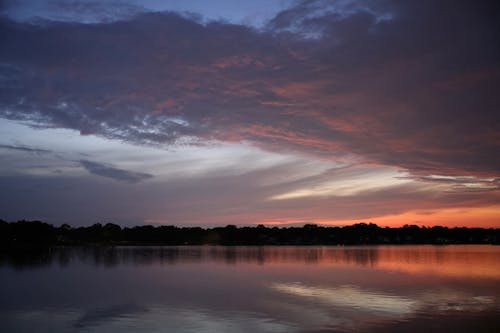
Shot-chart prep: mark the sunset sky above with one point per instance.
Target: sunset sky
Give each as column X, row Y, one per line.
column 284, row 112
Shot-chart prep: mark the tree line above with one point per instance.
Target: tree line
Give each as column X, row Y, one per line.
column 40, row 233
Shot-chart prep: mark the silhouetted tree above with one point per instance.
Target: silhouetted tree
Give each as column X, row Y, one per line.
column 38, row 233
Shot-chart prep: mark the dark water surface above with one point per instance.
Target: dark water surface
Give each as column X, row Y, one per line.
column 252, row 289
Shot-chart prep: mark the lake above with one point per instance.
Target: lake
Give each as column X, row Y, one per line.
column 252, row 289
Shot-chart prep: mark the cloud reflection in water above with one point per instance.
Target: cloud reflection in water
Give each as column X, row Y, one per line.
column 350, row 296
column 250, row 289
column 363, row 308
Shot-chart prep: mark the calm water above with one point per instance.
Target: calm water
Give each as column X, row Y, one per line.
column 252, row 289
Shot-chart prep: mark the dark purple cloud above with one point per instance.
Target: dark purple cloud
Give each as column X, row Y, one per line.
column 409, row 84
column 109, row 171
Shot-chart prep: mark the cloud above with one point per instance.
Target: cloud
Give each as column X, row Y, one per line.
column 108, row 171
column 410, row 85
column 87, row 12
column 25, row 149
column 220, row 198
column 462, row 184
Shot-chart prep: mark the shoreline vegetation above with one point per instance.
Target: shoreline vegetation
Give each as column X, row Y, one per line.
column 36, row 233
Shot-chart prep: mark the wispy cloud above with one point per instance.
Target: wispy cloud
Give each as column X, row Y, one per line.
column 462, row 183
column 108, row 171
column 25, row 149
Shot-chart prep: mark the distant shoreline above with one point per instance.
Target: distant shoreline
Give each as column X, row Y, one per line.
column 25, row 234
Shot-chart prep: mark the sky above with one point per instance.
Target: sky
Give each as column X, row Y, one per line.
column 221, row 112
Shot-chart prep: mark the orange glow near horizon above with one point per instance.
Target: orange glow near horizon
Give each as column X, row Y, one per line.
column 483, row 217
column 472, row 217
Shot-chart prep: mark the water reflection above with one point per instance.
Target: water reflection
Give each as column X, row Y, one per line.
column 352, row 297
column 251, row 289
column 154, row 319
column 387, row 304
column 460, row 260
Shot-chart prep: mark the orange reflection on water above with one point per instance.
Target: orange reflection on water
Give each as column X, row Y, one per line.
column 476, row 261
column 457, row 261
column 452, row 260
